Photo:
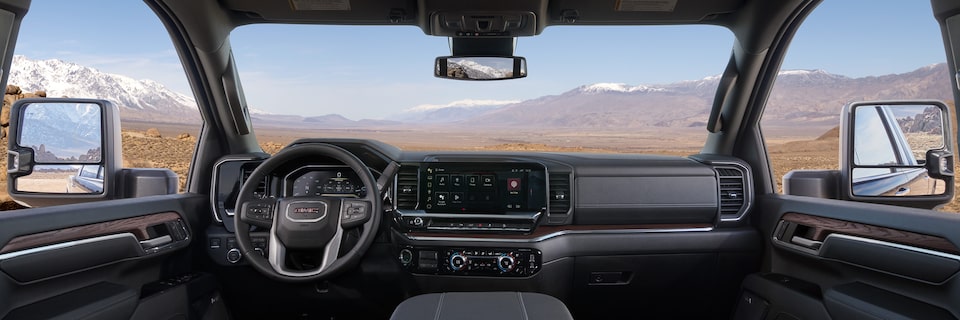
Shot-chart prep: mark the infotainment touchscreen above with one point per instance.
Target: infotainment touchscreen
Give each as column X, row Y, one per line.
column 465, row 187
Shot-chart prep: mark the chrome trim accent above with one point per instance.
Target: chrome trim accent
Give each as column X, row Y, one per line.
column 892, row 244
column 287, row 211
column 519, row 216
column 557, row 234
column 62, row 245
column 215, row 186
column 747, row 189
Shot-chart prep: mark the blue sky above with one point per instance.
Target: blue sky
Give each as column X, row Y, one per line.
column 375, row 72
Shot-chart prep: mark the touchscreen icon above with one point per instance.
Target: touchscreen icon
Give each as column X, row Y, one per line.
column 441, row 199
column 513, row 184
column 442, row 180
column 457, row 181
column 487, row 181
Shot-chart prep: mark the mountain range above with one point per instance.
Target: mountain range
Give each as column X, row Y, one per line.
column 799, row 96
column 143, row 100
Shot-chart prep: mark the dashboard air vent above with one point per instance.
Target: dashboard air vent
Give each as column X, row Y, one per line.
column 261, row 190
column 407, row 185
column 732, row 194
column 559, row 193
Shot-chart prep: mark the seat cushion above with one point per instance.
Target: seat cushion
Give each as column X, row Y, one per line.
column 482, row 306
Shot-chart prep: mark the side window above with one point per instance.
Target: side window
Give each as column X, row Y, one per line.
column 841, row 55
column 90, row 172
column 127, row 59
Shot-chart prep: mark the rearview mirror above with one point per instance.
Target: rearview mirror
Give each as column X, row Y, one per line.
column 62, row 146
column 480, row 68
column 897, row 152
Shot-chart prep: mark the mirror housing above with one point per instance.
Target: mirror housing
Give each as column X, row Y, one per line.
column 897, row 153
column 480, row 67
column 63, row 150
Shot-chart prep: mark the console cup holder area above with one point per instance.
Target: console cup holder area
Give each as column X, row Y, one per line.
column 482, row 305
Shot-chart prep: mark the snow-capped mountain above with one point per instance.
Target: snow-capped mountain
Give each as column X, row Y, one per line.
column 137, row 99
column 450, row 112
column 799, row 96
column 63, row 130
column 597, row 88
column 475, row 70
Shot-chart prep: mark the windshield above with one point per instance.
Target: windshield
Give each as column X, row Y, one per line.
column 588, row 89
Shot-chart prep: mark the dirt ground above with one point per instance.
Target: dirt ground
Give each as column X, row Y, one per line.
column 173, row 146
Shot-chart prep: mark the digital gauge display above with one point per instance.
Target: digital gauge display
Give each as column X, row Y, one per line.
column 324, row 181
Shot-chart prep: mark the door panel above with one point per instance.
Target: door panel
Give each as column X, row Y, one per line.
column 856, row 260
column 62, row 260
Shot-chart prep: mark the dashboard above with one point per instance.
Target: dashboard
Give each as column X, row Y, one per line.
column 579, row 226
column 511, row 215
column 508, row 193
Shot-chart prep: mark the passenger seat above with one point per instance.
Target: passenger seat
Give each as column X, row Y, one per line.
column 482, row 306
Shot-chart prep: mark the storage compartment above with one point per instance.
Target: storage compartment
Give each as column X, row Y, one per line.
column 782, row 297
column 647, row 199
column 862, row 301
column 674, row 286
column 99, row 301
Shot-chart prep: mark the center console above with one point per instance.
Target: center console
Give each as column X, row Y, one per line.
column 504, row 197
column 473, row 261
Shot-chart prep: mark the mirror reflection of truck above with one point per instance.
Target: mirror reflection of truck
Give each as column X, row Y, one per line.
column 887, row 164
column 88, row 179
column 891, row 152
column 73, row 142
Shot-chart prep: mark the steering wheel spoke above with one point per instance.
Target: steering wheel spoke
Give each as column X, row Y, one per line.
column 277, row 256
column 259, row 212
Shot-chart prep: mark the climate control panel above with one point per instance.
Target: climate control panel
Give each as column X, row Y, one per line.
column 496, row 262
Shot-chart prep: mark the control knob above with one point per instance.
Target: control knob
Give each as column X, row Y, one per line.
column 233, row 256
column 406, row 256
column 458, row 261
column 506, row 262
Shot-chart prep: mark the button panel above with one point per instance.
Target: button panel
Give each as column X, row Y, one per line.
column 219, row 246
column 437, row 224
column 492, row 262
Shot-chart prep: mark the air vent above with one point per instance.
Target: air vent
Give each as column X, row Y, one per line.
column 732, row 194
column 559, row 193
column 407, row 185
column 261, row 190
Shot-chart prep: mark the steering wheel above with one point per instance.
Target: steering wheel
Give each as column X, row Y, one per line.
column 315, row 223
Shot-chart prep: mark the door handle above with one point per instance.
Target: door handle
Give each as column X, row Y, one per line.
column 156, row 242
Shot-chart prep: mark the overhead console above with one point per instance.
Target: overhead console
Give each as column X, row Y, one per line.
column 471, row 196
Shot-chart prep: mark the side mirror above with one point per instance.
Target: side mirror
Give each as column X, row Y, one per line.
column 63, row 151
column 480, row 68
column 897, row 152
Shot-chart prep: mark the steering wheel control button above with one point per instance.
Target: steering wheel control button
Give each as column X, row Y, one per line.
column 354, row 212
column 259, row 213
column 234, row 255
